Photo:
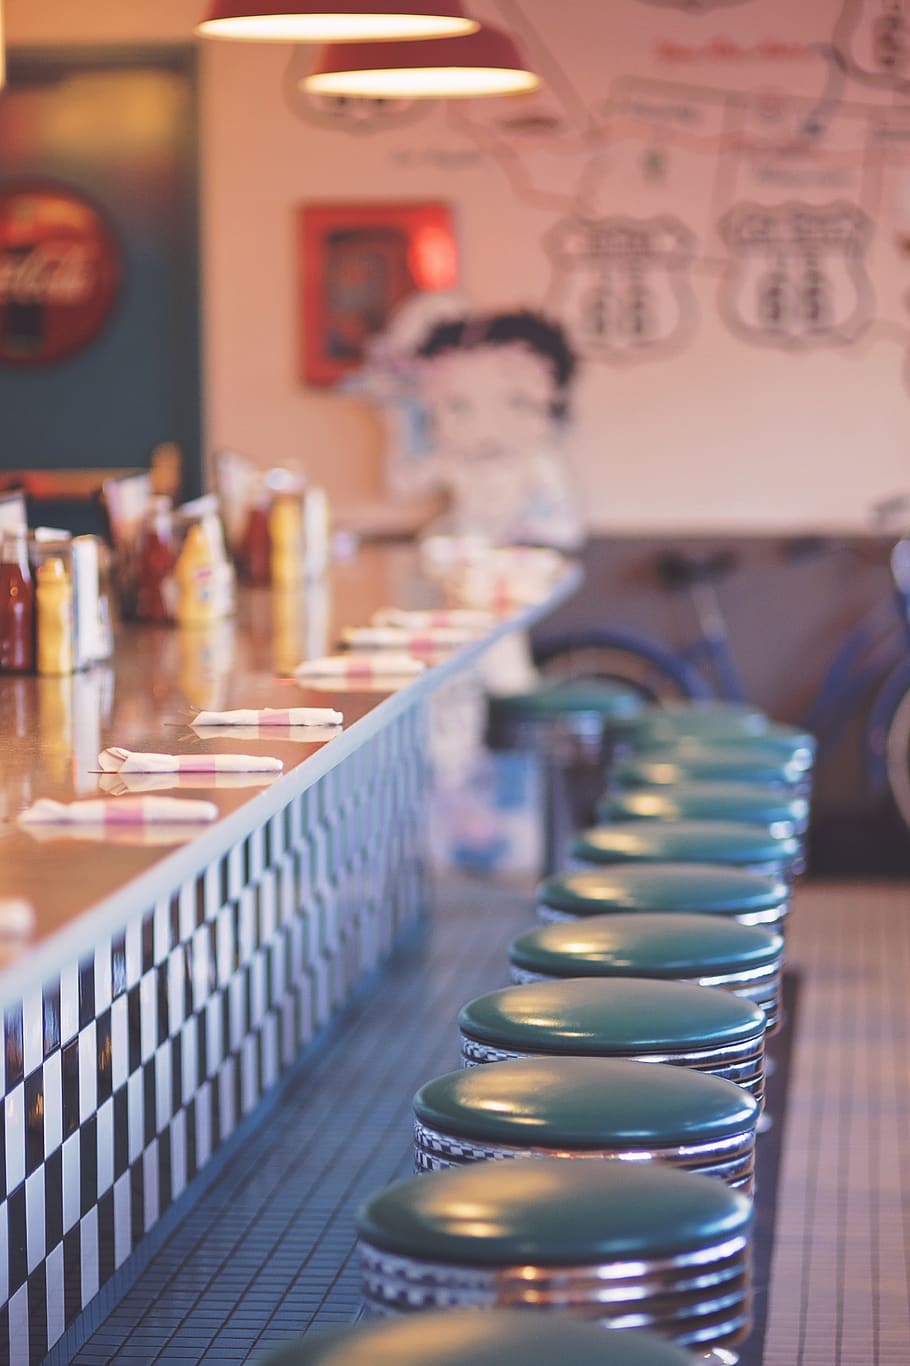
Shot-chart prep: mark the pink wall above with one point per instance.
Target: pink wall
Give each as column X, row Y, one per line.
column 653, row 112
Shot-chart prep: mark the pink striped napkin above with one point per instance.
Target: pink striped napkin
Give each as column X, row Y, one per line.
column 117, row 760
column 361, row 666
column 465, row 618
column 128, row 811
column 17, row 925
column 302, row 735
column 270, row 716
column 404, row 638
column 133, row 836
column 117, row 784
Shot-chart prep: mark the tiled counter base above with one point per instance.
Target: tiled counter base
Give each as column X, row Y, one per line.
column 123, row 1077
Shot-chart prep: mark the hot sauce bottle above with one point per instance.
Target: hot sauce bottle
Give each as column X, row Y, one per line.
column 156, row 562
column 17, row 605
column 255, row 553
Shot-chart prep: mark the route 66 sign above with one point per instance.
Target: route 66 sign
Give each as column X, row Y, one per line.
column 796, row 275
column 873, row 38
column 621, row 285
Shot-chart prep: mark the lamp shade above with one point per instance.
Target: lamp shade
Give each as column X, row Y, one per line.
column 487, row 62
column 335, row 21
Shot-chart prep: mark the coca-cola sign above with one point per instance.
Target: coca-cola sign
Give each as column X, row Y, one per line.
column 59, row 274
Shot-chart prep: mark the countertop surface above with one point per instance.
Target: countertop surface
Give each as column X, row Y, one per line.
column 53, row 729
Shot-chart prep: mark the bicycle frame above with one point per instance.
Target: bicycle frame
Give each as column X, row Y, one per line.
column 713, row 644
column 873, row 659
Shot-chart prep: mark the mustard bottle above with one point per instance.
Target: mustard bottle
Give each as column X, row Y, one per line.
column 54, row 597
column 286, row 539
column 195, row 576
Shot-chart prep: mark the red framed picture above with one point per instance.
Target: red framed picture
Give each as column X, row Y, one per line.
column 358, row 263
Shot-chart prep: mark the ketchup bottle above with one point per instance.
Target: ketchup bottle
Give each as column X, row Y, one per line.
column 17, row 605
column 256, row 550
column 156, row 562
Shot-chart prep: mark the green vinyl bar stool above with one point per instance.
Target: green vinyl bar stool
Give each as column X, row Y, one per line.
column 628, row 1245
column 632, row 1017
column 642, row 827
column 706, row 950
column 706, row 763
column 778, row 744
column 596, row 1108
column 462, row 1337
column 586, row 709
column 570, row 726
column 674, row 888
column 690, row 715
column 783, row 814
column 705, row 723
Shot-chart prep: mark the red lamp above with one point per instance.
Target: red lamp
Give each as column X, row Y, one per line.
column 335, row 21
column 487, row 62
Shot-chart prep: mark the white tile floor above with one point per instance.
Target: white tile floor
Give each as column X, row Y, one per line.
column 840, row 1281
column 281, row 1213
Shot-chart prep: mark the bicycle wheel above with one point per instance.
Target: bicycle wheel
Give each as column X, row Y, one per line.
column 645, row 665
column 897, row 758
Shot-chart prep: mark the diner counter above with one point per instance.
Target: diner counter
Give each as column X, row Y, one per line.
column 171, row 980
column 53, row 729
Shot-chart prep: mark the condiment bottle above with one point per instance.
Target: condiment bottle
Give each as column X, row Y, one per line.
column 17, row 605
column 316, row 532
column 197, row 599
column 156, row 562
column 286, row 532
column 54, row 597
column 255, row 554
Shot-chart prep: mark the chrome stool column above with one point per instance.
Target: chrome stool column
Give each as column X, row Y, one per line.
column 627, row 1245
column 589, row 1108
column 635, row 1018
column 706, row 950
column 569, row 725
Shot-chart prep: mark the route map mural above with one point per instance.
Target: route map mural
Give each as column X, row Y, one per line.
column 774, row 180
column 712, row 199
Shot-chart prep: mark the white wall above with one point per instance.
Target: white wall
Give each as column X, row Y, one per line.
column 718, row 431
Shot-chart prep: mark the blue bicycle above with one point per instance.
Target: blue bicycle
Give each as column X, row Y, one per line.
column 873, row 661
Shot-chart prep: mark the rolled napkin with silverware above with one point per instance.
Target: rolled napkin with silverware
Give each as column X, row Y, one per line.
column 115, row 811
column 118, row 760
column 118, row 784
column 422, row 619
column 301, row 735
column 17, row 925
column 405, row 637
column 270, row 716
column 361, row 666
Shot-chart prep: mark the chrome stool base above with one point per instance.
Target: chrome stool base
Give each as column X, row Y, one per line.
column 699, row 1298
column 761, row 985
column 731, row 1159
column 742, row 1063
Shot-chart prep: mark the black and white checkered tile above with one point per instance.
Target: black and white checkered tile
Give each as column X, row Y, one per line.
column 124, row 1074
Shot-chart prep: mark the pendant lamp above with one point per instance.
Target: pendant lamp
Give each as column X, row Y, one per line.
column 487, row 62
column 335, row 21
